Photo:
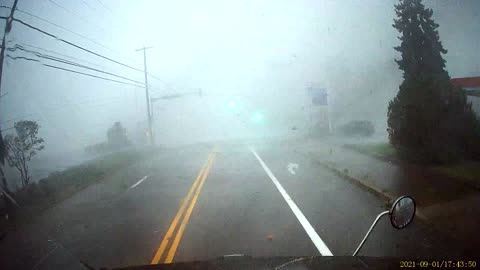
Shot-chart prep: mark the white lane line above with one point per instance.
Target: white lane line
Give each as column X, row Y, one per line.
column 139, row 181
column 317, row 241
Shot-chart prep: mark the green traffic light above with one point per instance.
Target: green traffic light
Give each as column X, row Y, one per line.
column 257, row 117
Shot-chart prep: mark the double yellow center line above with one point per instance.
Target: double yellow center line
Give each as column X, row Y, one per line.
column 190, row 202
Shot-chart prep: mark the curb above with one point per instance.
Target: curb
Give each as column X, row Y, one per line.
column 367, row 186
column 446, row 234
column 431, row 172
column 377, row 157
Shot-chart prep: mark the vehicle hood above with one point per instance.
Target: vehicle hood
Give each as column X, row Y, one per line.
column 281, row 263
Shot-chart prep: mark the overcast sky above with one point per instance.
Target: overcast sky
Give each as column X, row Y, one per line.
column 261, row 54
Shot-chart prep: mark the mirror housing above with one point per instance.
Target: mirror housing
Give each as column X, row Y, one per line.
column 402, row 212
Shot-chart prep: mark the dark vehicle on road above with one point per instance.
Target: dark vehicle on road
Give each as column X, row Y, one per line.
column 358, row 128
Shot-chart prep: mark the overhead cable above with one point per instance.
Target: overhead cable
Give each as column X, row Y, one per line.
column 82, row 36
column 74, row 45
column 61, row 54
column 73, row 71
column 68, row 62
column 71, row 31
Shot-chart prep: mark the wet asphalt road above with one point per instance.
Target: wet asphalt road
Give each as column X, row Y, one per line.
column 234, row 208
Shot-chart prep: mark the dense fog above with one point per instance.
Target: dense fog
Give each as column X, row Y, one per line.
column 252, row 62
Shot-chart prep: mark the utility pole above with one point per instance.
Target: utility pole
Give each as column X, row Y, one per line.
column 149, row 116
column 8, row 27
column 3, row 148
column 329, row 112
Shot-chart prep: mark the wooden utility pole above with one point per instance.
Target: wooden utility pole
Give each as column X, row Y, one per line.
column 149, row 115
column 3, row 149
column 8, row 27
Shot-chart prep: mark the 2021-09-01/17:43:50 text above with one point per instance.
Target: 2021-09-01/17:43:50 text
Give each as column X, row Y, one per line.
column 438, row 263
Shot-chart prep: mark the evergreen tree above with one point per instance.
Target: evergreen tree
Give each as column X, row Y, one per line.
column 429, row 120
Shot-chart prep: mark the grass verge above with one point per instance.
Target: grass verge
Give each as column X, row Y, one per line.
column 467, row 171
column 58, row 186
column 384, row 151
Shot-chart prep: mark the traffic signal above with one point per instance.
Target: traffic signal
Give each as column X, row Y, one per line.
column 257, row 117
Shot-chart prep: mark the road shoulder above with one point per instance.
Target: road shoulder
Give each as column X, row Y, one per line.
column 437, row 200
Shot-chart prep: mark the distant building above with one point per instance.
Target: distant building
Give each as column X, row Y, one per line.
column 471, row 85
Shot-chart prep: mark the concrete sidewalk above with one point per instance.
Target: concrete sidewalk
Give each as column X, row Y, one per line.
column 450, row 206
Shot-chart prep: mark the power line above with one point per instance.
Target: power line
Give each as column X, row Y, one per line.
column 68, row 30
column 59, row 6
column 80, row 47
column 2, row 6
column 57, row 59
column 87, row 4
column 84, row 37
column 74, row 45
column 155, row 77
column 71, row 31
column 71, row 57
column 79, row 16
column 70, row 70
column 57, row 53
column 169, row 85
column 90, row 75
column 7, row 129
column 104, row 6
column 154, row 89
column 90, row 68
column 23, row 58
column 79, row 65
column 72, row 13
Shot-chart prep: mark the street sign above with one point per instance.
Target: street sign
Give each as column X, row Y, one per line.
column 318, row 96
